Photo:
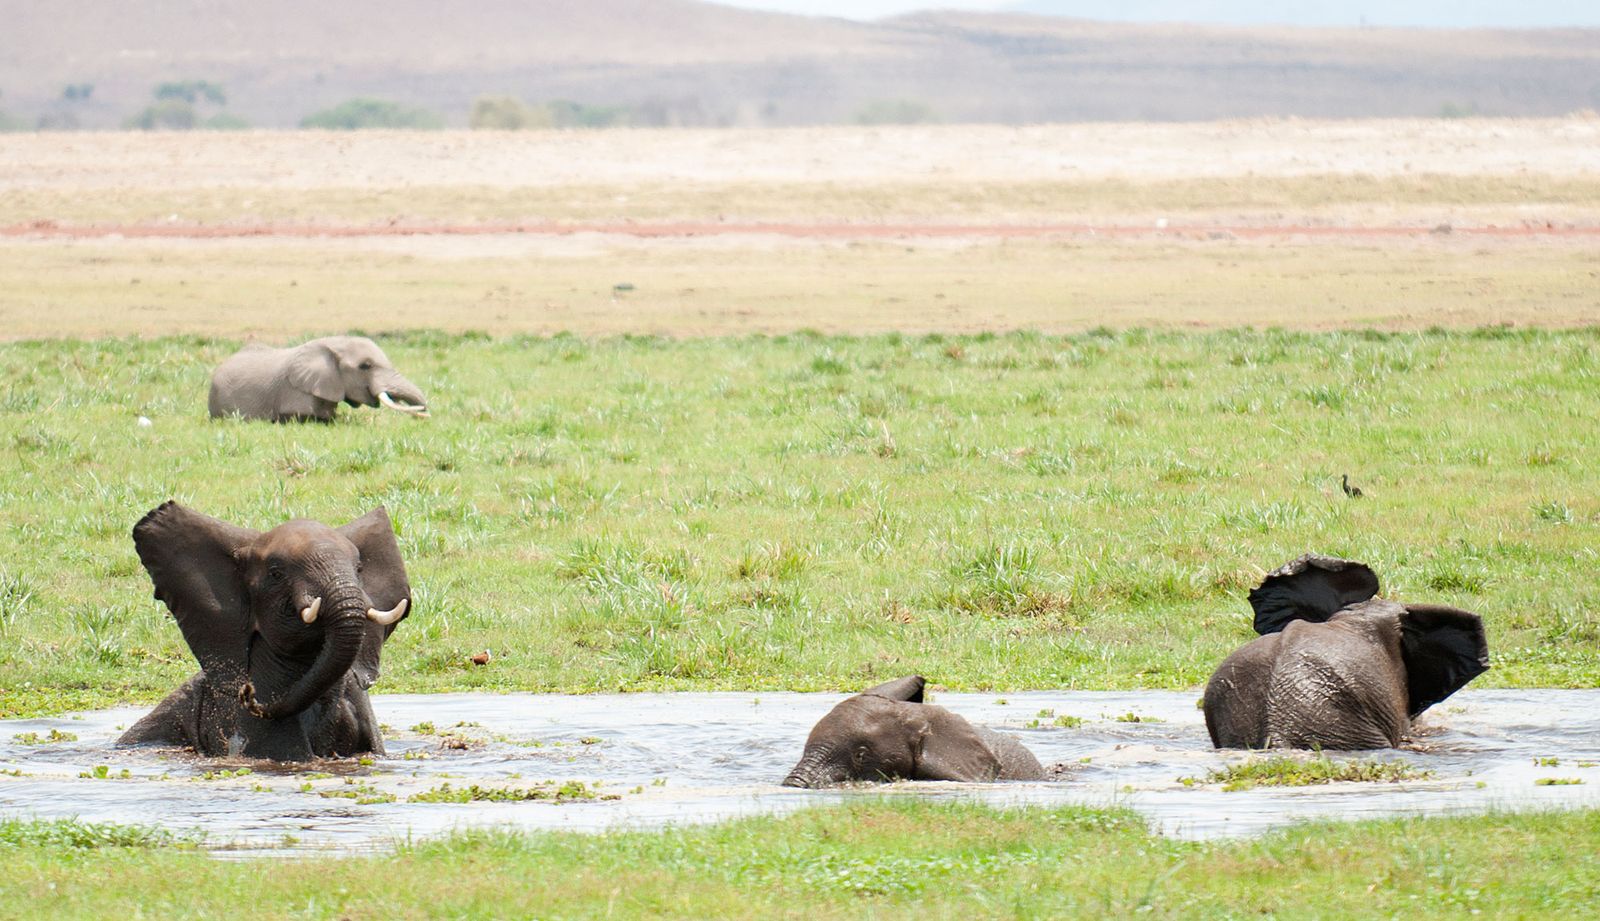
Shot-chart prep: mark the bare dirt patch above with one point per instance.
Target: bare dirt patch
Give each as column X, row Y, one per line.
column 594, row 284
column 896, row 155
column 1293, row 223
column 816, row 231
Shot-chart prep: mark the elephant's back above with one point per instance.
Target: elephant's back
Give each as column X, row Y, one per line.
column 1016, row 762
column 1235, row 701
column 1334, row 687
column 244, row 380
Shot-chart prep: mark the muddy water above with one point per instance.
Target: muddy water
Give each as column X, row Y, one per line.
column 655, row 759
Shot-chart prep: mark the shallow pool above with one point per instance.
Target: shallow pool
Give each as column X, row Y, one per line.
column 655, row 759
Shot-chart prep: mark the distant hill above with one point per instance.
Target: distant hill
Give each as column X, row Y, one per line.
column 684, row 62
column 1449, row 14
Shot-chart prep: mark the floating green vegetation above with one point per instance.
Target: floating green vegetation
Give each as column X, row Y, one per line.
column 569, row 791
column 226, row 774
column 54, row 735
column 1286, row 771
column 1558, row 781
column 1136, row 718
column 104, row 772
column 1061, row 722
column 363, row 793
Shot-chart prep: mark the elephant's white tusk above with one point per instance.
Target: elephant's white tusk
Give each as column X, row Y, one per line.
column 309, row 612
column 389, row 401
column 387, row 617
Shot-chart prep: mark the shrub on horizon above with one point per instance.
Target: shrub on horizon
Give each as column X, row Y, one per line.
column 365, row 112
column 506, row 113
column 896, row 112
column 565, row 113
column 166, row 115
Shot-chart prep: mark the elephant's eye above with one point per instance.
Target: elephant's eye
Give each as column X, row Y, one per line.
column 366, row 366
column 275, row 573
column 860, row 755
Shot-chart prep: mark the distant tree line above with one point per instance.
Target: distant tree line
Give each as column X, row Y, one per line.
column 508, row 113
column 184, row 105
column 356, row 114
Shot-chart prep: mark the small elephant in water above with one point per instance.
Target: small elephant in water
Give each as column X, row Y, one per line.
column 1336, row 667
column 288, row 626
column 308, row 381
column 887, row 732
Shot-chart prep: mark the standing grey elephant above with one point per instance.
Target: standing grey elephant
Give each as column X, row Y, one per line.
column 288, row 626
column 1336, row 667
column 887, row 732
column 308, row 381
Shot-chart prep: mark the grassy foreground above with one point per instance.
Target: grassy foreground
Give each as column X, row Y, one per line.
column 807, row 512
column 871, row 859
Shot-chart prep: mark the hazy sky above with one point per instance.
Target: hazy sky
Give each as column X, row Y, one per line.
column 864, row 9
column 1499, row 13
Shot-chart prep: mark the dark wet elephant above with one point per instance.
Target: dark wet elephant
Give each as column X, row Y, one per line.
column 1336, row 667
column 288, row 626
column 308, row 381
column 888, row 733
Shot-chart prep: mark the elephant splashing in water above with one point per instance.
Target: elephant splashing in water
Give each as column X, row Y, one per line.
column 288, row 626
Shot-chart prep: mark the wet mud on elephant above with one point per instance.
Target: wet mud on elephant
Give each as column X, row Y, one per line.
column 1336, row 667
column 888, row 733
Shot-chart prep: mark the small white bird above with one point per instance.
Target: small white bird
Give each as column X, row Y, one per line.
column 144, row 422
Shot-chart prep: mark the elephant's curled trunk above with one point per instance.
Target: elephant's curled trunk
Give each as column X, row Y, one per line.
column 345, row 631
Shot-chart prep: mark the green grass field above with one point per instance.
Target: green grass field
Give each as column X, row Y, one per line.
column 808, row 512
column 883, row 859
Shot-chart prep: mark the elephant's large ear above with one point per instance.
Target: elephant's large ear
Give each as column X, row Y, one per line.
column 908, row 689
column 313, row 369
column 951, row 749
column 1310, row 588
column 191, row 561
column 383, row 576
column 1443, row 649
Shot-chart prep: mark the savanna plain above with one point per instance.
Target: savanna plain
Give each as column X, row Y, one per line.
column 868, row 428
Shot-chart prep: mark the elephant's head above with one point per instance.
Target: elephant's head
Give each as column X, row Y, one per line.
column 355, row 370
column 887, row 732
column 1440, row 648
column 288, row 613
